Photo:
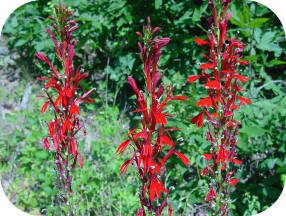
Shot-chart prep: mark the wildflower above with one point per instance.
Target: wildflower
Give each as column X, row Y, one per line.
column 152, row 136
column 223, row 84
column 61, row 95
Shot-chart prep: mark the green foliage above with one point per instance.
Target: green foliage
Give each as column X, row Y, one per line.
column 107, row 48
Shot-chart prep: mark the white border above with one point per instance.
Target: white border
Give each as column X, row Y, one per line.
column 277, row 6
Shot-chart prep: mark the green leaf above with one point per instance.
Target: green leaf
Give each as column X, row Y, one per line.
column 276, row 62
column 158, row 4
column 258, row 22
column 252, row 131
column 269, row 163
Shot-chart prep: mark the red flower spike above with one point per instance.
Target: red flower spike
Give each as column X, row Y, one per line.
column 151, row 137
column 223, row 81
column 62, row 96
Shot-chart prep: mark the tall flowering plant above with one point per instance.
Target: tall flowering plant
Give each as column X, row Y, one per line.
column 151, row 135
column 223, row 83
column 62, row 96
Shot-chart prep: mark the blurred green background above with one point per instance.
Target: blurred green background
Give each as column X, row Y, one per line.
column 107, row 49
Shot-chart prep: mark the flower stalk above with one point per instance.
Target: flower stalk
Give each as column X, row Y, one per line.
column 223, row 84
column 61, row 93
column 151, row 135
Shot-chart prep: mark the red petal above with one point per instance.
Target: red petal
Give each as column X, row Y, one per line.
column 121, row 148
column 231, row 123
column 133, row 84
column 242, row 62
column 228, row 114
column 179, row 98
column 211, row 195
column 51, row 129
column 228, row 71
column 207, row 156
column 215, row 115
column 201, row 42
column 221, row 155
column 80, row 160
column 236, row 161
column 46, row 143
column 160, row 118
column 206, row 66
column 45, row 106
column 192, row 79
column 204, row 102
column 198, row 119
column 73, row 148
column 241, row 78
column 164, row 139
column 74, row 109
column 244, row 100
column 233, row 181
column 140, row 212
column 182, row 157
column 213, row 85
column 147, row 149
column 87, row 93
column 124, row 166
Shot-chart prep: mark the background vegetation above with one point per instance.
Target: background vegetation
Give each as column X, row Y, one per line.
column 108, row 51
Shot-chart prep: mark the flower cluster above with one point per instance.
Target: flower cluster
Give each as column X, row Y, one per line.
column 223, row 82
column 151, row 135
column 62, row 95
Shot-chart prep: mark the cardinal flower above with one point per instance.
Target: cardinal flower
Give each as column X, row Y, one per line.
column 63, row 96
column 151, row 138
column 223, row 83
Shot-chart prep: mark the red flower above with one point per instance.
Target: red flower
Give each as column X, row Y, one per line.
column 122, row 146
column 207, row 156
column 233, row 181
column 206, row 66
column 201, row 42
column 204, row 102
column 192, row 79
column 152, row 136
column 211, row 195
column 213, row 85
column 198, row 119
column 223, row 82
column 61, row 94
column 236, row 161
column 244, row 100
